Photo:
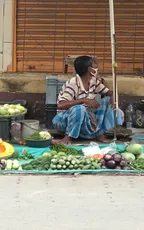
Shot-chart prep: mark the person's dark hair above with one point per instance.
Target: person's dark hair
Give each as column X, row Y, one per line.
column 82, row 63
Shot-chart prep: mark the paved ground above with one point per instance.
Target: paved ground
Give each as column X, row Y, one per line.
column 65, row 203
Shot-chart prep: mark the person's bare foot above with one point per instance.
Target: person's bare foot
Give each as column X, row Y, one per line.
column 102, row 139
column 65, row 141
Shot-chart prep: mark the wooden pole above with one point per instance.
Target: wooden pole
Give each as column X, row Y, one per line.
column 114, row 64
column 14, row 63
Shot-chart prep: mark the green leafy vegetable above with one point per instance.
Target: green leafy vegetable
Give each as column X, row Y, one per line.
column 39, row 135
column 25, row 155
column 15, row 155
column 138, row 164
column 35, row 136
column 69, row 151
column 41, row 163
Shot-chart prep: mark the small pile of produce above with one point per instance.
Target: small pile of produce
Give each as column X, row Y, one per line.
column 11, row 110
column 61, row 161
column 138, row 164
column 66, row 150
column 135, row 156
column 24, row 156
column 129, row 159
column 12, row 165
column 114, row 161
column 40, row 164
column 39, row 135
column 133, row 151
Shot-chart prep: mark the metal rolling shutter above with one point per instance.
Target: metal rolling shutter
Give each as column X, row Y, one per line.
column 49, row 30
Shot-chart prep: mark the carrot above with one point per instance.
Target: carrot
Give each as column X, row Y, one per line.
column 97, row 156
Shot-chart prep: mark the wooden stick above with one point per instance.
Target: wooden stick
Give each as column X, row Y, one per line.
column 14, row 63
column 114, row 64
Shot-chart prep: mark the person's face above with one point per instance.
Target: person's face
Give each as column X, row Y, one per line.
column 93, row 70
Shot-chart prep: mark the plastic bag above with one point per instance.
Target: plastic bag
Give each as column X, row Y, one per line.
column 94, row 149
column 15, row 131
column 91, row 150
column 112, row 148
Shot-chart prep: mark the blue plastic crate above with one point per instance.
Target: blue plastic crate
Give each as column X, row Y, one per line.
column 53, row 87
column 139, row 138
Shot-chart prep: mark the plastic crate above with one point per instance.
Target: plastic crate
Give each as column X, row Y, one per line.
column 5, row 126
column 139, row 138
column 50, row 112
column 53, row 87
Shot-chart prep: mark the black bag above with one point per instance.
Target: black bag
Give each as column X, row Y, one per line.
column 139, row 114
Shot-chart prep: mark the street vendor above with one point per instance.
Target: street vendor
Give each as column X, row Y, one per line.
column 85, row 105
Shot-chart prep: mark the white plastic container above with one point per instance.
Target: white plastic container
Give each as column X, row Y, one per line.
column 29, row 127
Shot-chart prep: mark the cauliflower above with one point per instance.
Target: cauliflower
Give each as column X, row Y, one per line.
column 45, row 135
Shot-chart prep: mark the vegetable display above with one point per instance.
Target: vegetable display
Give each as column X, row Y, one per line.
column 128, row 156
column 11, row 165
column 138, row 164
column 136, row 149
column 11, row 110
column 40, row 163
column 115, row 161
column 66, row 158
column 24, row 156
column 39, row 135
column 61, row 161
column 68, row 151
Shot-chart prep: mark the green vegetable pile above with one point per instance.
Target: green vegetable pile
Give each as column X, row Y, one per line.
column 132, row 152
column 61, row 161
column 135, row 156
column 35, row 136
column 73, row 163
column 66, row 150
column 39, row 135
column 11, row 110
column 40, row 164
column 138, row 164
column 24, row 156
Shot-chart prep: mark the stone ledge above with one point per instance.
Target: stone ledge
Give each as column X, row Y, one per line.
column 36, row 83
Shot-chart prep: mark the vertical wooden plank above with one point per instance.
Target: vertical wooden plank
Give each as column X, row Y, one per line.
column 1, row 35
column 14, row 61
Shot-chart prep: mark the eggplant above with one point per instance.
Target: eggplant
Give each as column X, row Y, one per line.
column 102, row 162
column 107, row 157
column 111, row 164
column 2, row 166
column 117, row 157
column 123, row 163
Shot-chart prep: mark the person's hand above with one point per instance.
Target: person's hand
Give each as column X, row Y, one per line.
column 91, row 102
